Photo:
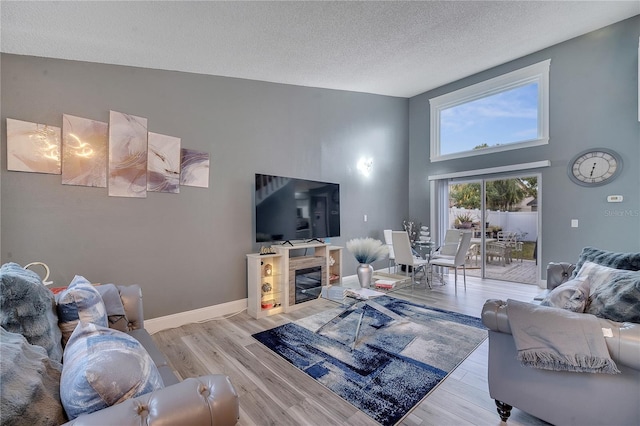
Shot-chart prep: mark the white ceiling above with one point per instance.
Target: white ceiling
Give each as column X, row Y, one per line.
column 392, row 48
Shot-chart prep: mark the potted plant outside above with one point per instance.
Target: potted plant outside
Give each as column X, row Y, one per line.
column 464, row 221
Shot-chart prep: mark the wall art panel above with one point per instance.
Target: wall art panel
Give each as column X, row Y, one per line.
column 163, row 163
column 33, row 147
column 194, row 168
column 127, row 155
column 84, row 151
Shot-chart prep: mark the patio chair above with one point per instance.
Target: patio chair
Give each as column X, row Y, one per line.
column 457, row 261
column 509, row 239
column 499, row 250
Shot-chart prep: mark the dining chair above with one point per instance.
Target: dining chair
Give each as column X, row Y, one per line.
column 457, row 261
column 450, row 245
column 404, row 256
column 392, row 257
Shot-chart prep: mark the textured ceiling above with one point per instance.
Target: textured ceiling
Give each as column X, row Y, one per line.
column 391, row 48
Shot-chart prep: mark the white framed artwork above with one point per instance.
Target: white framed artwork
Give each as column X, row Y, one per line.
column 163, row 163
column 127, row 155
column 194, row 168
column 33, row 147
column 84, row 151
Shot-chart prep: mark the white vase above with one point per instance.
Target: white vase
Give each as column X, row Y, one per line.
column 364, row 273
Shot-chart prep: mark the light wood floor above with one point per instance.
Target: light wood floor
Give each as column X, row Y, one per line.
column 273, row 392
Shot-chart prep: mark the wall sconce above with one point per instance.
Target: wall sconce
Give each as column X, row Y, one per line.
column 365, row 165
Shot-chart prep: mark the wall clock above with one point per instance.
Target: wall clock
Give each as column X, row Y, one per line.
column 595, row 167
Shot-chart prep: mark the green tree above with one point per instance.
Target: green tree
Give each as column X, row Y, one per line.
column 502, row 194
column 465, row 195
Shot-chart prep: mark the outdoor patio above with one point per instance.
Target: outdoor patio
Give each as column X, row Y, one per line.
column 517, row 271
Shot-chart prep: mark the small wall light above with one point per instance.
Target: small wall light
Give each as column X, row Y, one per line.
column 365, row 165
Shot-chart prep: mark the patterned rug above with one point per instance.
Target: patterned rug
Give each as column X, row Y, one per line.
column 402, row 352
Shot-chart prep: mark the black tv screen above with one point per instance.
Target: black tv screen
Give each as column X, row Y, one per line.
column 289, row 209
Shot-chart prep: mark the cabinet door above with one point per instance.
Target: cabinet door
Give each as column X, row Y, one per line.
column 264, row 285
column 271, row 293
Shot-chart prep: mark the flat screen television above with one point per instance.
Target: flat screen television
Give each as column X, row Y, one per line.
column 289, row 209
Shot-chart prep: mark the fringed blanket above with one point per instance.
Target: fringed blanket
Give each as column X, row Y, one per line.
column 556, row 339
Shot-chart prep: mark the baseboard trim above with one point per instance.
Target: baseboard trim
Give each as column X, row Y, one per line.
column 154, row 325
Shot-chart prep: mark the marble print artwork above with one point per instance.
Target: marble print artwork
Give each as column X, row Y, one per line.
column 127, row 155
column 194, row 168
column 33, row 147
column 84, row 151
column 163, row 163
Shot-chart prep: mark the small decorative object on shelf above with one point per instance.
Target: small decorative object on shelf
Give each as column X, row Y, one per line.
column 267, row 250
column 267, row 301
column 332, row 261
column 267, row 304
column 268, row 269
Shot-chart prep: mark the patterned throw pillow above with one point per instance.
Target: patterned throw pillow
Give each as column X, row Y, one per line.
column 616, row 260
column 28, row 308
column 618, row 297
column 572, row 295
column 80, row 302
column 103, row 367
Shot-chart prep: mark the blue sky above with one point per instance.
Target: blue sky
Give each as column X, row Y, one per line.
column 506, row 117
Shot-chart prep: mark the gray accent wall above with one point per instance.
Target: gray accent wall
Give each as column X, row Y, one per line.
column 593, row 103
column 187, row 250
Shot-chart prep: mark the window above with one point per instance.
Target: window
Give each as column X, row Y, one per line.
column 506, row 112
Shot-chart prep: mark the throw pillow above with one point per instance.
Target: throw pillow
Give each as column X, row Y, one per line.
column 617, row 260
column 597, row 274
column 28, row 308
column 618, row 299
column 572, row 295
column 113, row 304
column 80, row 302
column 103, row 367
column 29, row 383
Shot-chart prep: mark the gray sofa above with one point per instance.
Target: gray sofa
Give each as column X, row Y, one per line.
column 562, row 397
column 206, row 400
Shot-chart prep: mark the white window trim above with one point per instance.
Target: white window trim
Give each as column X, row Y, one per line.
column 533, row 73
column 492, row 170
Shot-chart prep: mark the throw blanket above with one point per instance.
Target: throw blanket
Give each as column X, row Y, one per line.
column 27, row 307
column 556, row 339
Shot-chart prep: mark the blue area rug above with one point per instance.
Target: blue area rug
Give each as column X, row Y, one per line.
column 402, row 352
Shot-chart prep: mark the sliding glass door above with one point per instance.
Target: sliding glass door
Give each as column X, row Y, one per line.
column 502, row 213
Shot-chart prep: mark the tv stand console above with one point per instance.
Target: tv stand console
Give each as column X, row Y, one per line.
column 271, row 278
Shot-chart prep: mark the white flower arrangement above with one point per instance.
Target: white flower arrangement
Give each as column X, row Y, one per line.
column 367, row 250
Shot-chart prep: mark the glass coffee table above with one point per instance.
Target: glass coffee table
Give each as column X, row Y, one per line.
column 358, row 300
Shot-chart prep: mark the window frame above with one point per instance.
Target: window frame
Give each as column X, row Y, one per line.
column 536, row 73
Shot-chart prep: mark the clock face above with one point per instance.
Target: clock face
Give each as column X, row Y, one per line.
column 595, row 167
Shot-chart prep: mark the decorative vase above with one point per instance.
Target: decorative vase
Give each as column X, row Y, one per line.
column 364, row 273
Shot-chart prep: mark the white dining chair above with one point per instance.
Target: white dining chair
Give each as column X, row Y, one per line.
column 392, row 257
column 404, row 256
column 457, row 261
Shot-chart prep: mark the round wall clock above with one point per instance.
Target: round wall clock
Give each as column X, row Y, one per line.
column 595, row 167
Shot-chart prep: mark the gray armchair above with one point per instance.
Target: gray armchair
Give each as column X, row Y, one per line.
column 562, row 397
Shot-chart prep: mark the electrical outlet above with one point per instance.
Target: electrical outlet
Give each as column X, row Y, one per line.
column 574, row 223
column 365, row 217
